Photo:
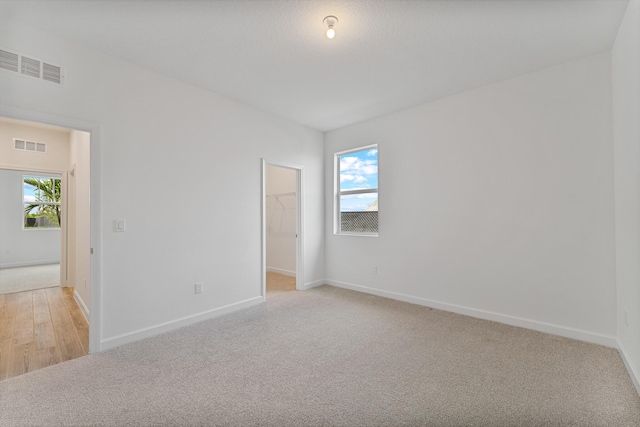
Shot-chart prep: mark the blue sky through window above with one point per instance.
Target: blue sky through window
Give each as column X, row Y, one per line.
column 358, row 170
column 29, row 193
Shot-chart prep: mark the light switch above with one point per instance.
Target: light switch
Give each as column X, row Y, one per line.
column 120, row 225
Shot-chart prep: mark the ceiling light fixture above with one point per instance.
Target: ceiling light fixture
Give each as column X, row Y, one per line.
column 330, row 21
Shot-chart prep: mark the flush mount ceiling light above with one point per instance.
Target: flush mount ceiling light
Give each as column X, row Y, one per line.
column 330, row 21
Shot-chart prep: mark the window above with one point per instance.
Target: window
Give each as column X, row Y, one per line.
column 357, row 191
column 41, row 202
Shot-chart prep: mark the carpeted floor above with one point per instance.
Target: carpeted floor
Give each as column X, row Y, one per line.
column 20, row 279
column 278, row 283
column 329, row 356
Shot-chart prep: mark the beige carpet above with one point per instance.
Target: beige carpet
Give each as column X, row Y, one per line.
column 279, row 283
column 20, row 279
column 331, row 357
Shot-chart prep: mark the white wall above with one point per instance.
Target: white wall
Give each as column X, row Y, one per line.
column 20, row 247
column 626, row 126
column 281, row 220
column 80, row 243
column 171, row 154
column 497, row 202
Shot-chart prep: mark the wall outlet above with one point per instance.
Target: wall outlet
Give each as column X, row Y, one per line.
column 198, row 288
column 85, row 283
column 375, row 269
column 626, row 319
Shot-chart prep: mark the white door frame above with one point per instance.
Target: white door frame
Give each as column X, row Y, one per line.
column 94, row 129
column 299, row 224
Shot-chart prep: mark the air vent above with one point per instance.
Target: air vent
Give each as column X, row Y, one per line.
column 31, row 67
column 9, row 60
column 37, row 147
column 51, row 73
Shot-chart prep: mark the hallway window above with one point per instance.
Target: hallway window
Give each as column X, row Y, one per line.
column 41, row 200
column 357, row 191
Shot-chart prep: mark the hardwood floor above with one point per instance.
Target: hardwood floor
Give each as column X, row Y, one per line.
column 279, row 283
column 40, row 328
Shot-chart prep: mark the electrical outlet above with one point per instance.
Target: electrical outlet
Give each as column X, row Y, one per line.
column 198, row 288
column 626, row 319
column 85, row 283
column 375, row 269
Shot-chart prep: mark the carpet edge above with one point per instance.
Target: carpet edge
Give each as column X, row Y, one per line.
column 633, row 373
column 549, row 328
column 149, row 331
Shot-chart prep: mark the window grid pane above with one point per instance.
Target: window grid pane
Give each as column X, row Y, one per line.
column 41, row 202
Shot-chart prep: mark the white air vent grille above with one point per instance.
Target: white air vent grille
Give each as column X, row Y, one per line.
column 9, row 60
column 51, row 73
column 21, row 144
column 31, row 67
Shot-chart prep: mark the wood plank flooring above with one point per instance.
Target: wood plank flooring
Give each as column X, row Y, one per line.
column 40, row 328
column 279, row 283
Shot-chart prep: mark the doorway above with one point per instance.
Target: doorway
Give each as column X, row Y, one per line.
column 46, row 319
column 281, row 228
column 31, row 229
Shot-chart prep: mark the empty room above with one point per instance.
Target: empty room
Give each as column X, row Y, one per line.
column 447, row 193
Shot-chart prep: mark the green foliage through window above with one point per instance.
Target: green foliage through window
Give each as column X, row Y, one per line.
column 41, row 198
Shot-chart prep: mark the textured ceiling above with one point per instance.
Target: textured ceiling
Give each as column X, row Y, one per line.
column 386, row 56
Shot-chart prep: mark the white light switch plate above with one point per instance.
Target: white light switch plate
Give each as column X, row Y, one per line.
column 120, row 225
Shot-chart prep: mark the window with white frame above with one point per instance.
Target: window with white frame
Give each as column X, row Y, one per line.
column 41, row 202
column 357, row 191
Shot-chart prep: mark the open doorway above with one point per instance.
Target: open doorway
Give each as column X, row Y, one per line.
column 44, row 245
column 281, row 221
column 30, row 226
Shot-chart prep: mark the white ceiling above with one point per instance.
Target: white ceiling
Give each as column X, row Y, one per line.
column 386, row 56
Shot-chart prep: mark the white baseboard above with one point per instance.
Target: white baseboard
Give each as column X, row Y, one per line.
column 82, row 305
column 139, row 334
column 314, row 284
column 29, row 263
column 563, row 331
column 633, row 372
column 281, row 271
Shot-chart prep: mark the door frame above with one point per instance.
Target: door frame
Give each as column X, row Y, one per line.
column 69, row 208
column 94, row 129
column 299, row 224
